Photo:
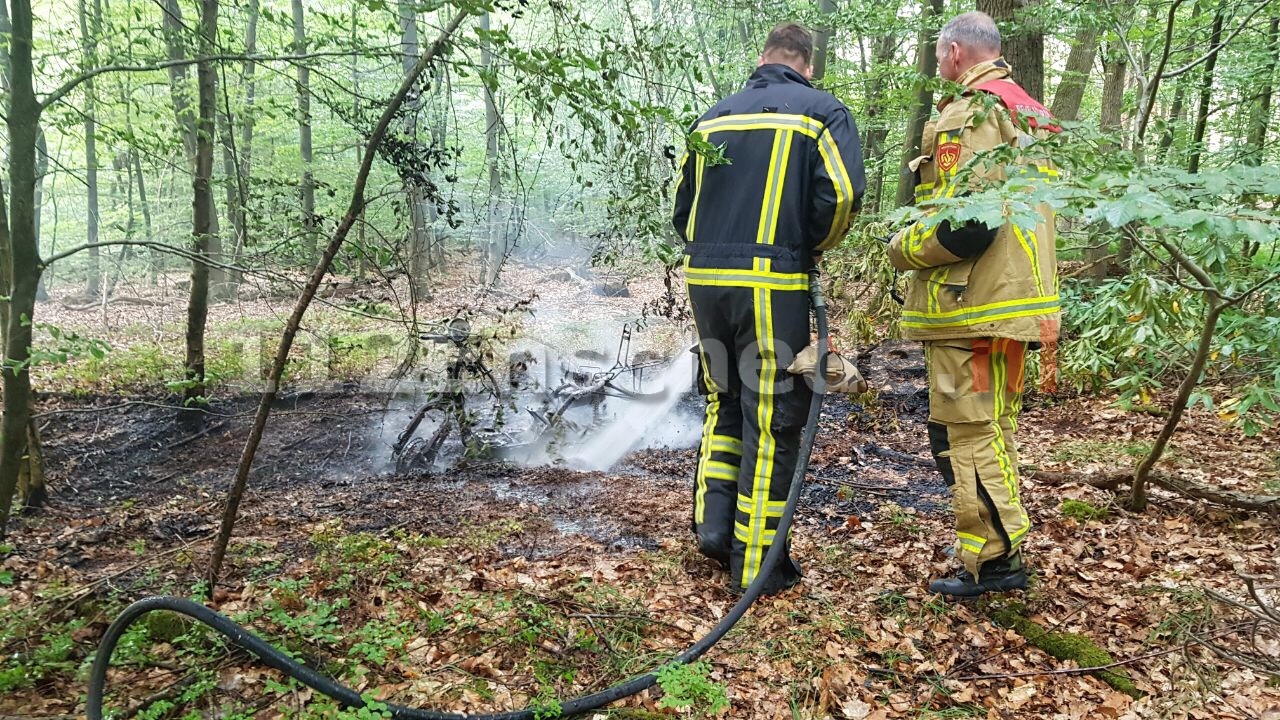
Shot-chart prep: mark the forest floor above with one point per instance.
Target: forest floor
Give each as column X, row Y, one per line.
column 493, row 587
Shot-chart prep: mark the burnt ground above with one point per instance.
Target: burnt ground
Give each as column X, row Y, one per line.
column 136, row 496
column 326, row 455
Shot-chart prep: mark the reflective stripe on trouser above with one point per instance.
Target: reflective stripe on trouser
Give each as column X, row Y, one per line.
column 755, row 413
column 975, row 394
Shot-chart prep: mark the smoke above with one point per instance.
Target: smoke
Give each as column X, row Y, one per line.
column 584, row 383
column 652, row 421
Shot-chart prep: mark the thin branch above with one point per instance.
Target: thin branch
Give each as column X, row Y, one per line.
column 205, row 260
column 1172, row 269
column 75, row 82
column 180, row 252
column 1069, row 671
column 1149, row 89
column 1192, row 267
column 1204, row 58
column 1122, row 36
column 1236, row 300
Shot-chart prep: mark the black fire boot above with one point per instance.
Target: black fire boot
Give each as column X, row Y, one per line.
column 1000, row 575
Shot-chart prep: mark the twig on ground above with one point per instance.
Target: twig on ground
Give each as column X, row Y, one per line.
column 192, row 438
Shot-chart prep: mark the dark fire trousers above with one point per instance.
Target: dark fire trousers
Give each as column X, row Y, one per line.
column 748, row 335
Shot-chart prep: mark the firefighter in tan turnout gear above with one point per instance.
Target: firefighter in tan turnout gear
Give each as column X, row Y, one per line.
column 979, row 298
column 752, row 228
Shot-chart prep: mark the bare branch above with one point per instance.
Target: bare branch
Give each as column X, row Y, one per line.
column 189, row 255
column 1237, row 299
column 1192, row 267
column 1173, row 270
column 75, row 82
column 1149, row 89
column 1122, row 36
column 1205, row 57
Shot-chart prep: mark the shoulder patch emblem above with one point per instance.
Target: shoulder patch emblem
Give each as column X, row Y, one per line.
column 948, row 155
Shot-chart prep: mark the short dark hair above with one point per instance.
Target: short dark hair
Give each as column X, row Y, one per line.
column 790, row 42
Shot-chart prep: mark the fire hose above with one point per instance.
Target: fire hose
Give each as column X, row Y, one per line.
column 277, row 659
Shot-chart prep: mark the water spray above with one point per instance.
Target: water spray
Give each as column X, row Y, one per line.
column 277, row 659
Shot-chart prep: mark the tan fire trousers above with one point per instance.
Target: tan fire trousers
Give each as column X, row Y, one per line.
column 975, row 393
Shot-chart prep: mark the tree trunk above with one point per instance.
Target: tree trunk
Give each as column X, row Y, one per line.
column 1114, row 68
column 1260, row 113
column 362, row 249
column 926, row 68
column 1070, row 92
column 1206, row 94
column 42, row 169
column 822, row 41
column 874, row 152
column 304, row 138
column 202, row 208
column 231, row 172
column 497, row 245
column 1176, row 112
column 23, row 122
column 180, row 91
column 154, row 256
column 89, row 33
column 1023, row 41
column 419, row 223
column 1138, row 498
column 246, row 146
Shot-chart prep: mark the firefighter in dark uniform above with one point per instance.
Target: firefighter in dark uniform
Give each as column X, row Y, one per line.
column 754, row 225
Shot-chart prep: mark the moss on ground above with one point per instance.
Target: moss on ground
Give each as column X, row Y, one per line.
column 1067, row 646
column 1082, row 511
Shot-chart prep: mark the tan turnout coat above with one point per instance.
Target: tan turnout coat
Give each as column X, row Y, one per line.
column 1010, row 290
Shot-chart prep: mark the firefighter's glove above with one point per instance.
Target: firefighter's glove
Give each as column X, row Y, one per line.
column 842, row 375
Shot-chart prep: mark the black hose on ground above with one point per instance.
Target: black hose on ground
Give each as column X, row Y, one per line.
column 273, row 657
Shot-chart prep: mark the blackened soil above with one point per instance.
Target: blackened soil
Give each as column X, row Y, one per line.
column 136, row 469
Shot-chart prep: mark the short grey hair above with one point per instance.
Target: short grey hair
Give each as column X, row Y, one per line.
column 975, row 30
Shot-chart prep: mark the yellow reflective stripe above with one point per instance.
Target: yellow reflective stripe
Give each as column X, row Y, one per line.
column 699, row 164
column 745, row 534
column 914, row 245
column 765, row 448
column 1004, row 309
column 747, row 282
column 717, row 273
column 972, row 543
column 680, row 170
column 708, row 428
column 802, row 124
column 843, row 185
column 1032, row 254
column 766, row 233
column 1009, row 474
column 781, row 183
column 772, row 508
column 967, row 322
column 759, row 279
column 936, row 281
column 704, row 456
column 726, row 444
column 717, row 470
